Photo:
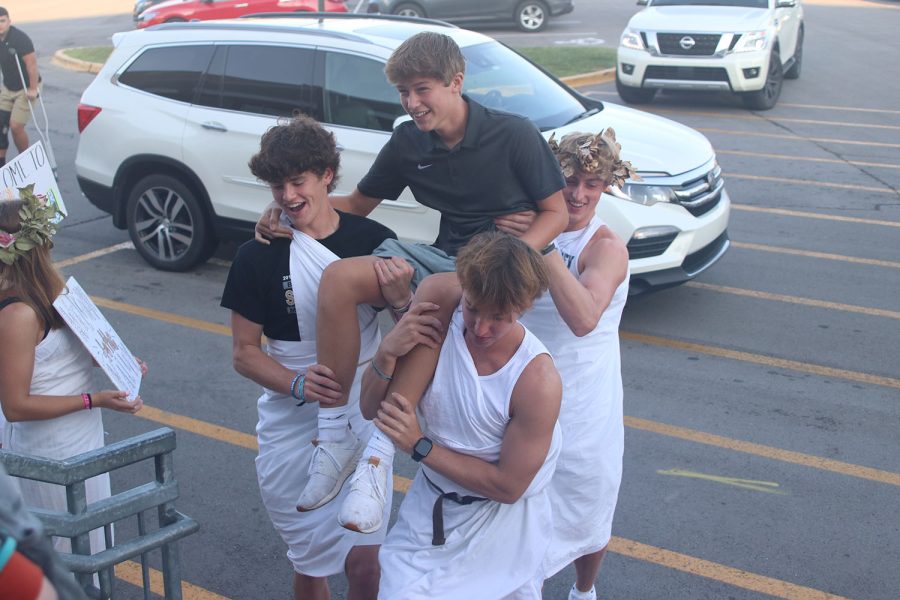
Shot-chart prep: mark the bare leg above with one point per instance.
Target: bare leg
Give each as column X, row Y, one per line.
column 345, row 285
column 310, row 588
column 587, row 568
column 363, row 573
column 19, row 135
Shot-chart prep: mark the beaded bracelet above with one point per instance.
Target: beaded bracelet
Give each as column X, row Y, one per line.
column 405, row 308
column 381, row 375
column 297, row 390
column 88, row 401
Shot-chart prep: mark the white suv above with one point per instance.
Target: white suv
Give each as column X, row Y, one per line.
column 169, row 123
column 742, row 46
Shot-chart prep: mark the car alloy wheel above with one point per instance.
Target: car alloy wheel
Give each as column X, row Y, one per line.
column 767, row 97
column 532, row 15
column 167, row 224
column 409, row 10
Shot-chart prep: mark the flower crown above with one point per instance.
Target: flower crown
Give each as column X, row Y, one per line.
column 593, row 154
column 37, row 227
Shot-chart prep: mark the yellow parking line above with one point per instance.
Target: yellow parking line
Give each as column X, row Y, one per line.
column 92, row 255
column 130, row 572
column 775, row 119
column 779, row 454
column 840, row 108
column 718, row 572
column 812, row 182
column 761, row 359
column 811, row 215
column 855, row 163
column 863, row 310
column 782, row 136
column 159, row 315
column 823, row 255
column 626, row 547
column 767, row 487
column 643, row 338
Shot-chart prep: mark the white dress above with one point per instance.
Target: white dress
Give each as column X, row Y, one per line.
column 585, row 487
column 62, row 367
column 492, row 550
column 317, row 544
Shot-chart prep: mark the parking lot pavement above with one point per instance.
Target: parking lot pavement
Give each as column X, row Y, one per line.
column 761, row 399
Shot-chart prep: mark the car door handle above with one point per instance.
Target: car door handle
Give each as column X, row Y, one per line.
column 214, row 126
column 241, row 5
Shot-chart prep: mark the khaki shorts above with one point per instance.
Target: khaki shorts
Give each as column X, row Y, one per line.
column 17, row 104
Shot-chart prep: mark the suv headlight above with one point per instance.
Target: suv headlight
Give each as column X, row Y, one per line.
column 632, row 39
column 648, row 195
column 752, row 41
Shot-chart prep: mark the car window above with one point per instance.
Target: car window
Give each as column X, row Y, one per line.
column 357, row 94
column 265, row 80
column 497, row 77
column 172, row 72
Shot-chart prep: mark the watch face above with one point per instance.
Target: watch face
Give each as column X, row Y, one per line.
column 422, row 448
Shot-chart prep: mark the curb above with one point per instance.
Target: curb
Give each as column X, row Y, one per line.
column 592, row 78
column 61, row 59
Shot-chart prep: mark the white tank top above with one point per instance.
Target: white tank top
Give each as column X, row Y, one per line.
column 469, row 413
column 590, row 365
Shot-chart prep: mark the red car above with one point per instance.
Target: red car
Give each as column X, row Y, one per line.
column 203, row 10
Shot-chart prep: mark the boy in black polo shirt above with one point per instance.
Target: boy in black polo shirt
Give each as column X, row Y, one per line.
column 470, row 163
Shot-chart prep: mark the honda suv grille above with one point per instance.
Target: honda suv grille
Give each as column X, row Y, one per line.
column 701, row 195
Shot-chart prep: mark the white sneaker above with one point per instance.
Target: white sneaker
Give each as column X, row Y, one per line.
column 363, row 508
column 576, row 594
column 331, row 465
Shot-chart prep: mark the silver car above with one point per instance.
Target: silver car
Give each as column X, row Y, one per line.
column 527, row 15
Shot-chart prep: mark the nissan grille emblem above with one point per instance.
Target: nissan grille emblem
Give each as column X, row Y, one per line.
column 687, row 42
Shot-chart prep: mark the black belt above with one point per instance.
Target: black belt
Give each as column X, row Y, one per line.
column 437, row 514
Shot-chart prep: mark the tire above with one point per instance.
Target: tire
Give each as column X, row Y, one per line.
column 794, row 71
column 767, row 97
column 408, row 9
column 633, row 95
column 168, row 224
column 531, row 16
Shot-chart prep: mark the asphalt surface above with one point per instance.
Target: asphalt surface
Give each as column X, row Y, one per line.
column 762, row 457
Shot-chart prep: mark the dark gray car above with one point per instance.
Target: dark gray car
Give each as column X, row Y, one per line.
column 527, row 15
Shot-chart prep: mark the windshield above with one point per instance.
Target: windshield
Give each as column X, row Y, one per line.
column 741, row 3
column 499, row 78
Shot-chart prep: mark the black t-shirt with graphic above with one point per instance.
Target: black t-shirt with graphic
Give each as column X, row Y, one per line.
column 15, row 46
column 259, row 282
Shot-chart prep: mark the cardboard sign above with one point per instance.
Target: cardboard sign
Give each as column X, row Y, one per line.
column 88, row 323
column 31, row 166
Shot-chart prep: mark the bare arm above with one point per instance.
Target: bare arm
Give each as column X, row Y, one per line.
column 534, row 408
column 551, row 219
column 21, row 330
column 355, row 203
column 603, row 266
column 249, row 360
column 31, row 68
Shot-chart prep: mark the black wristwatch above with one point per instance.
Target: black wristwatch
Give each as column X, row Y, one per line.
column 421, row 449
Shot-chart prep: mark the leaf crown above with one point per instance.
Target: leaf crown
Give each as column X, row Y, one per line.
column 36, row 226
column 593, row 154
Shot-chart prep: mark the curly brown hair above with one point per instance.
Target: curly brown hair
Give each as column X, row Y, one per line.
column 295, row 147
column 426, row 54
column 32, row 276
column 502, row 271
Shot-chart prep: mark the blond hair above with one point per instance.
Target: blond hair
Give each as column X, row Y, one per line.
column 501, row 271
column 593, row 155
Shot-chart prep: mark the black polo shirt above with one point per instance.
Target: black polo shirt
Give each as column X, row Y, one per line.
column 16, row 45
column 503, row 165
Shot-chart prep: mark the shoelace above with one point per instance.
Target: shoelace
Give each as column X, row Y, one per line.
column 317, row 465
column 373, row 480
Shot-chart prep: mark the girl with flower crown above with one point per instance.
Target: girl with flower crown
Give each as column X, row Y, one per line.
column 45, row 372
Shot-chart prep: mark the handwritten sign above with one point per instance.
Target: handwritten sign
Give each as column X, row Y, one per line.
column 31, row 167
column 88, row 323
